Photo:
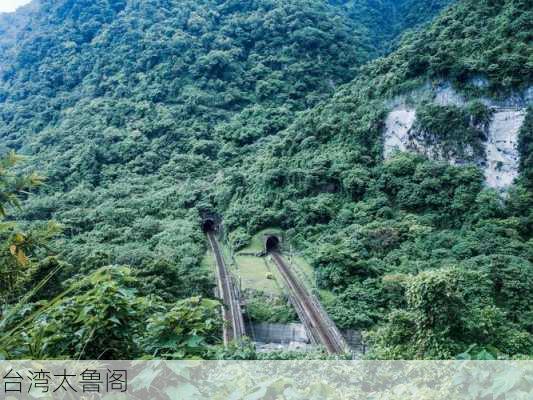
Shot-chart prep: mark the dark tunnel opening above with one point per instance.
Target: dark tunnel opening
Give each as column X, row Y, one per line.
column 208, row 225
column 272, row 243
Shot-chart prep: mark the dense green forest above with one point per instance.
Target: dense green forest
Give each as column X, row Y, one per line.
column 143, row 115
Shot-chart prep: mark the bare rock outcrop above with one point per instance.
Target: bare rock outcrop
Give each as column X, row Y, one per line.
column 501, row 161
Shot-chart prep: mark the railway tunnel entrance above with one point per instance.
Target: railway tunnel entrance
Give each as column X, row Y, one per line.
column 209, row 225
column 272, row 243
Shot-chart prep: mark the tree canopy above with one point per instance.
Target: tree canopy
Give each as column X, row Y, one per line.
column 145, row 115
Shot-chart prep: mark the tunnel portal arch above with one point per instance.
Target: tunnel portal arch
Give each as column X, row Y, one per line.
column 209, row 225
column 272, row 243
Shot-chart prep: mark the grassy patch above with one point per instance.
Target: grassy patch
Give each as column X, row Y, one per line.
column 256, row 275
column 208, row 262
column 304, row 270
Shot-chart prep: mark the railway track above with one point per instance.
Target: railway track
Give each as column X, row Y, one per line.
column 320, row 327
column 231, row 310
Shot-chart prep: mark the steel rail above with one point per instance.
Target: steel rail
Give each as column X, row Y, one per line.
column 319, row 326
column 231, row 310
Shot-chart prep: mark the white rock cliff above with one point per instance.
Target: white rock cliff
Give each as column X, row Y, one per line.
column 501, row 162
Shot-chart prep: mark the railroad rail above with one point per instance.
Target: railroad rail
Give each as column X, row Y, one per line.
column 231, row 311
column 320, row 327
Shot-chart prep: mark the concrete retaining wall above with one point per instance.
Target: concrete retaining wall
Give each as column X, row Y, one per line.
column 293, row 336
column 277, row 333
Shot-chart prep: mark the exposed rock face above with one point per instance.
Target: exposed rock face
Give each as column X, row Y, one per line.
column 397, row 127
column 400, row 135
column 501, row 151
column 445, row 95
column 501, row 161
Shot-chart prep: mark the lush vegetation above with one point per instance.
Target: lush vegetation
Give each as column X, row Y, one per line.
column 145, row 115
column 525, row 147
column 452, row 132
column 101, row 315
column 382, row 234
column 385, row 20
column 263, row 308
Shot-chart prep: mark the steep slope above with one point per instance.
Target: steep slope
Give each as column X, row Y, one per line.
column 350, row 126
column 11, row 25
column 385, row 19
column 145, row 114
column 393, row 238
column 125, row 105
column 135, row 107
column 120, row 102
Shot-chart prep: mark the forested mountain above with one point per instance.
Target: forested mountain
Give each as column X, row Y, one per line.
column 422, row 249
column 145, row 114
column 385, row 20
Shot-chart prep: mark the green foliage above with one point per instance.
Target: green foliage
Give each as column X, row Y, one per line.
column 184, row 331
column 130, row 120
column 12, row 185
column 104, row 317
column 235, row 351
column 98, row 321
column 447, row 310
column 18, row 252
column 525, row 148
column 457, row 132
column 145, row 115
column 18, row 249
column 261, row 307
column 388, row 19
column 497, row 32
column 49, row 273
column 174, row 281
column 359, row 306
column 511, row 278
column 239, row 239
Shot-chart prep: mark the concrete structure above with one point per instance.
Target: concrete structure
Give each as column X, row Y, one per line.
column 278, row 333
column 278, row 337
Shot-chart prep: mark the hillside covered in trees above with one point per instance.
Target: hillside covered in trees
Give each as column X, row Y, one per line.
column 142, row 116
